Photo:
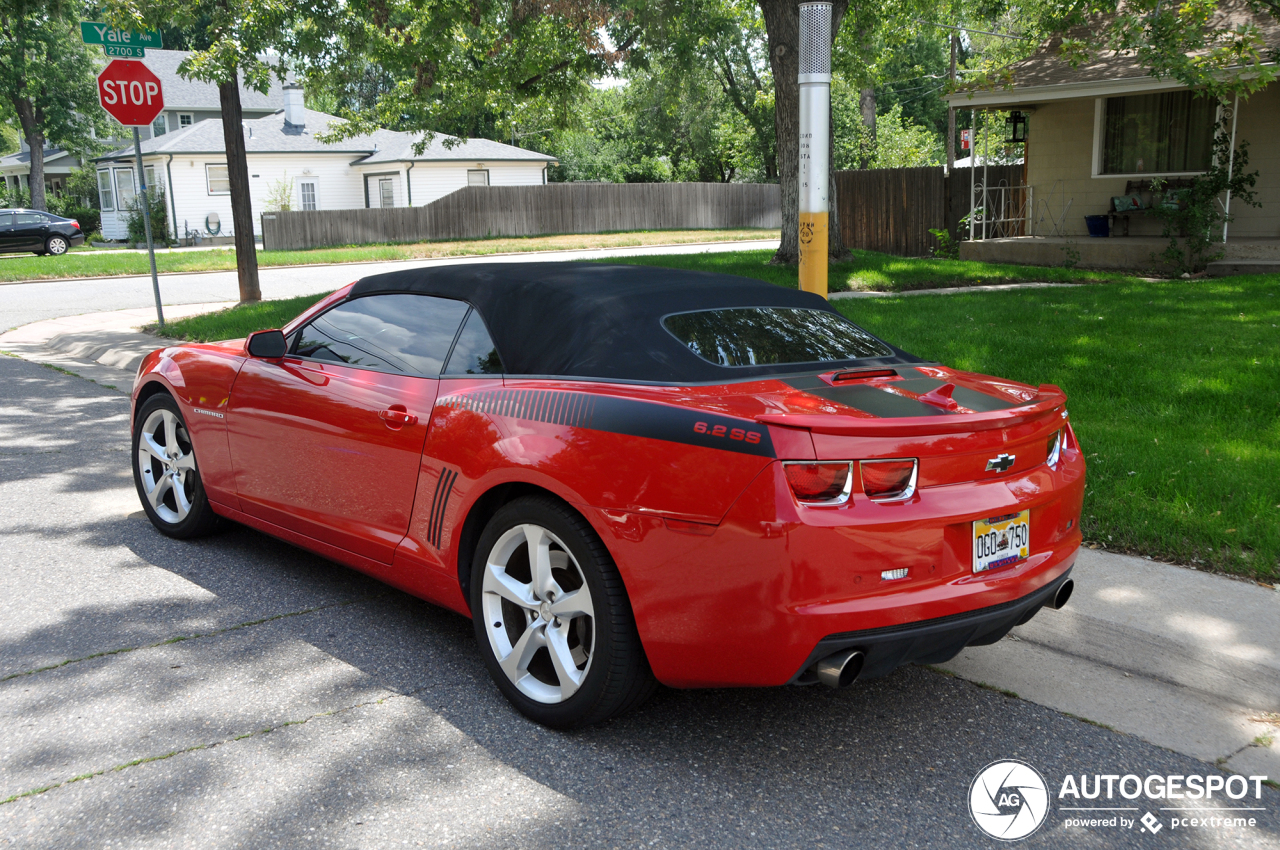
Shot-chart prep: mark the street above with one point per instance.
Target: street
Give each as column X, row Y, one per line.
column 21, row 303
column 236, row 691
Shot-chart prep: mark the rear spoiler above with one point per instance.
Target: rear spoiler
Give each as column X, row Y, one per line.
column 1048, row 397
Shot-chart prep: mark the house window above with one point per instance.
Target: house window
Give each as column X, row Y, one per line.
column 386, row 193
column 125, row 192
column 307, row 193
column 159, row 126
column 106, row 195
column 185, row 119
column 150, row 173
column 218, row 179
column 1167, row 133
column 477, row 177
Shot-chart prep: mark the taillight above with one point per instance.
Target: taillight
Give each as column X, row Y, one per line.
column 1055, row 449
column 888, row 480
column 820, row 483
column 75, row 224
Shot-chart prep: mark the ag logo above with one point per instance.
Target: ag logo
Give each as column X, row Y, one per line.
column 1008, row 800
column 806, row 232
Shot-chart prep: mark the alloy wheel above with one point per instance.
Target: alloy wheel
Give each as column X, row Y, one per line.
column 168, row 466
column 57, row 245
column 539, row 615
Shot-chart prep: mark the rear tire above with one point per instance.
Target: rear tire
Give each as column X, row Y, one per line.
column 56, row 245
column 165, row 471
column 556, row 633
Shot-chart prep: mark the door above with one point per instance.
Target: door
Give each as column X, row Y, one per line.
column 7, row 238
column 29, row 231
column 327, row 441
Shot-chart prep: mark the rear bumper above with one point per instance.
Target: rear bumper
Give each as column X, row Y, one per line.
column 755, row 600
column 930, row 641
column 76, row 241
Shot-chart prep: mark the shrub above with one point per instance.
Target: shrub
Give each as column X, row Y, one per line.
column 90, row 219
column 159, row 218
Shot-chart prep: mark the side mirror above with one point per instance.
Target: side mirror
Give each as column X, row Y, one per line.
column 269, row 344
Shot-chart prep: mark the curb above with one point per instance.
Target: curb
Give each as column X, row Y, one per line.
column 952, row 290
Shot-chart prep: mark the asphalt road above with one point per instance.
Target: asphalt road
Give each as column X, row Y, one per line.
column 22, row 303
column 237, row 692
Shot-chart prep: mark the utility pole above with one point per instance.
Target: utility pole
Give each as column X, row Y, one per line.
column 951, row 110
column 815, row 144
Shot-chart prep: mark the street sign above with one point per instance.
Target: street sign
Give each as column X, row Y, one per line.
column 118, row 42
column 130, row 93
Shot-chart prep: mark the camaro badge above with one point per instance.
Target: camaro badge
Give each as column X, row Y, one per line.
column 1001, row 463
column 220, row 416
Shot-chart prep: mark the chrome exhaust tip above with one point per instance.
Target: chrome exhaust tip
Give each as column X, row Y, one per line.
column 841, row 669
column 1064, row 593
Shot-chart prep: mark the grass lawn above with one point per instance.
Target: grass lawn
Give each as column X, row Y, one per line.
column 868, row 270
column 239, row 321
column 102, row 263
column 1173, row 386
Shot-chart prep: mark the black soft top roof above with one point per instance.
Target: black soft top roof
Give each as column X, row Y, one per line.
column 586, row 320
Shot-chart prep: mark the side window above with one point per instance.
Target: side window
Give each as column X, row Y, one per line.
column 408, row 334
column 474, row 353
column 6, row 219
column 106, row 195
column 29, row 218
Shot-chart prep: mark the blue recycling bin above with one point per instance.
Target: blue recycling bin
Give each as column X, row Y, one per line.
column 1097, row 225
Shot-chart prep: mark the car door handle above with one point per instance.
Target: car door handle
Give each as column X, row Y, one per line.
column 396, row 417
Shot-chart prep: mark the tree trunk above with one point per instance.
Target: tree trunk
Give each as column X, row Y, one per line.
column 241, row 206
column 782, row 28
column 867, row 106
column 34, row 135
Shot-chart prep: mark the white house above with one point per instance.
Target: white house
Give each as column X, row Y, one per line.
column 284, row 155
column 186, row 103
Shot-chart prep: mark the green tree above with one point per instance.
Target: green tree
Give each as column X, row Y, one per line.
column 449, row 63
column 696, row 45
column 47, row 80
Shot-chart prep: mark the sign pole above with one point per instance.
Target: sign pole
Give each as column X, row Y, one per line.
column 146, row 217
column 815, row 144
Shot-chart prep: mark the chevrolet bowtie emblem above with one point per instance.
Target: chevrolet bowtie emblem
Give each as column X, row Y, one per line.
column 1001, row 463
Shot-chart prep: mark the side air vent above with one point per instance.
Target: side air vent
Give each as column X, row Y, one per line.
column 439, row 502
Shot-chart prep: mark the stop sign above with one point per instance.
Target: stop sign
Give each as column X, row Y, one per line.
column 130, row 93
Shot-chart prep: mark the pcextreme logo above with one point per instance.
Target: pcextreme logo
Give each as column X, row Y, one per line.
column 1009, row 800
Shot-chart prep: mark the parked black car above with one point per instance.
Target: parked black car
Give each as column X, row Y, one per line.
column 38, row 232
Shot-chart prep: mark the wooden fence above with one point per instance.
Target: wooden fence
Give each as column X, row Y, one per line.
column 483, row 211
column 892, row 210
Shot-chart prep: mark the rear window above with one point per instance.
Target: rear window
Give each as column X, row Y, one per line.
column 765, row 336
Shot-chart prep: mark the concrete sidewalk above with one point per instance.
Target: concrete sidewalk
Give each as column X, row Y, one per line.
column 1183, row 659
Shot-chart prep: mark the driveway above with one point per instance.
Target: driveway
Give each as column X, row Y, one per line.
column 21, row 303
column 237, row 692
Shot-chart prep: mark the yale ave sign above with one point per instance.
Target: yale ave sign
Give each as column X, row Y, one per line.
column 130, row 93
column 118, row 42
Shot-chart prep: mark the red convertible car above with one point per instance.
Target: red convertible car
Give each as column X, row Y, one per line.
column 627, row 475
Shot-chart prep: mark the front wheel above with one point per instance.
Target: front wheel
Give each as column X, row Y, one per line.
column 552, row 617
column 165, row 471
column 56, row 245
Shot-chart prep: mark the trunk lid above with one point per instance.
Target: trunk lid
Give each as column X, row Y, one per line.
column 962, row 426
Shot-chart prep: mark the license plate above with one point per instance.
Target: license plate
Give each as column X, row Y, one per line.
column 1001, row 541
